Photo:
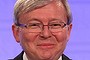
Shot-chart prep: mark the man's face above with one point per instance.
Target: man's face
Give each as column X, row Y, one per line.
column 44, row 44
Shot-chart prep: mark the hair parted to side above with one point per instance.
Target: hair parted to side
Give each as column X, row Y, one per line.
column 24, row 6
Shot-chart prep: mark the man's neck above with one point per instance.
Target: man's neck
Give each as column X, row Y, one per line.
column 25, row 57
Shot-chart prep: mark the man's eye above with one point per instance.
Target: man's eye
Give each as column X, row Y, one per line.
column 33, row 26
column 55, row 25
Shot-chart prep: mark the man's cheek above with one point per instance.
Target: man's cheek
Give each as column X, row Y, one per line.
column 61, row 37
column 27, row 37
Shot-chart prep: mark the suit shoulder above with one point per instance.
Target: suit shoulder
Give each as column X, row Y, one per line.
column 64, row 57
column 18, row 57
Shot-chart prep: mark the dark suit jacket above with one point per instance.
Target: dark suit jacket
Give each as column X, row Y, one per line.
column 20, row 57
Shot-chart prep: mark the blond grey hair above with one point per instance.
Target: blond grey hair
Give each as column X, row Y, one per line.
column 23, row 6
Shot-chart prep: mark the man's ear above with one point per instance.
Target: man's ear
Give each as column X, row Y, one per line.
column 69, row 30
column 15, row 30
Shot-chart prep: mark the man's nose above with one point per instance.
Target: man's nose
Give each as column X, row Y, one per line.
column 45, row 33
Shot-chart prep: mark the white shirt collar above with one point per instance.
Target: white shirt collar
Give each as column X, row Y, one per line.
column 25, row 57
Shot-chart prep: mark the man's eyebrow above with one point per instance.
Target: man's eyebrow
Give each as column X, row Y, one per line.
column 56, row 19
column 33, row 19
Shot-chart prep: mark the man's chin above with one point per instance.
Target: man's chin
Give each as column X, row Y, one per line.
column 45, row 55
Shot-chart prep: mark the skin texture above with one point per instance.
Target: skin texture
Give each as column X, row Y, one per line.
column 44, row 45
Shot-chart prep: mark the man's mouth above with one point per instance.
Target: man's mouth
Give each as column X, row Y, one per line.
column 46, row 46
